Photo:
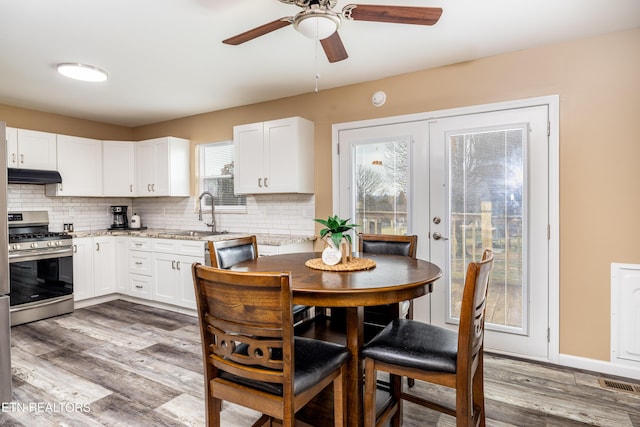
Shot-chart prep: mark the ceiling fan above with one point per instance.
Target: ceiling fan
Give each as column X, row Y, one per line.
column 319, row 21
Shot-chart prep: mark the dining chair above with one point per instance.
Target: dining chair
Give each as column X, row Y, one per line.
column 434, row 354
column 226, row 253
column 387, row 244
column 250, row 354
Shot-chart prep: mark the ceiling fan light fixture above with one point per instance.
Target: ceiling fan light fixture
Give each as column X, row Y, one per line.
column 84, row 72
column 316, row 24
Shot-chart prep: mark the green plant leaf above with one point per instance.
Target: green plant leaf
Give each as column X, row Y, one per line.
column 336, row 228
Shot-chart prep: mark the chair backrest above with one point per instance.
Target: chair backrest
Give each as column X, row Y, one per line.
column 472, row 312
column 226, row 253
column 246, row 325
column 388, row 244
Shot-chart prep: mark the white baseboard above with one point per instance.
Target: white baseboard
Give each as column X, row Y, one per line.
column 105, row 298
column 95, row 300
column 599, row 366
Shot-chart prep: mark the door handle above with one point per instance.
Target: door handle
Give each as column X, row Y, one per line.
column 438, row 236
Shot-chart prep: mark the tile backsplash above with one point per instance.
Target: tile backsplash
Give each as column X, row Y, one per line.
column 288, row 214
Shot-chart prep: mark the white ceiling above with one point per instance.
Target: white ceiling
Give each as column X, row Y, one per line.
column 166, row 59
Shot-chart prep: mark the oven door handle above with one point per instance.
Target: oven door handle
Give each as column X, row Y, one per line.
column 40, row 254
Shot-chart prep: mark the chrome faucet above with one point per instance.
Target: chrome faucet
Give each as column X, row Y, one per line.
column 213, row 210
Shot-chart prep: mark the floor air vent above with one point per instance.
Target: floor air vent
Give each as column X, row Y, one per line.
column 619, row 385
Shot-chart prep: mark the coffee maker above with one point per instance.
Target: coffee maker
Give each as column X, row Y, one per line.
column 120, row 220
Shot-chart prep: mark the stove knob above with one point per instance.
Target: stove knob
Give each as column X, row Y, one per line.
column 15, row 247
column 57, row 243
column 34, row 245
column 49, row 244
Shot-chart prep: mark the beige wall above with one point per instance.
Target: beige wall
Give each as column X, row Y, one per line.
column 599, row 86
column 55, row 123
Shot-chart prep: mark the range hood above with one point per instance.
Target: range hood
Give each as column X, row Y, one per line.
column 32, row 176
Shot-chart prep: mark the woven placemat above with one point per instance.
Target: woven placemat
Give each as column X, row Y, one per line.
column 356, row 264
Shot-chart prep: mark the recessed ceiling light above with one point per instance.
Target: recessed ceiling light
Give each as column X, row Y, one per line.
column 87, row 73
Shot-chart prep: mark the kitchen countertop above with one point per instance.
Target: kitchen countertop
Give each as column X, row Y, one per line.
column 162, row 233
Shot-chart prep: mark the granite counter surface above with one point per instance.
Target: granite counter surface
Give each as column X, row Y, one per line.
column 160, row 233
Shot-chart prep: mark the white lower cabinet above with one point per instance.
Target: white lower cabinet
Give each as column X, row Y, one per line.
column 121, row 264
column 93, row 267
column 82, row 268
column 171, row 260
column 140, row 280
column 140, row 286
column 147, row 268
column 160, row 269
column 288, row 248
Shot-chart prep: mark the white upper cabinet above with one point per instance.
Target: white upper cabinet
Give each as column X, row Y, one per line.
column 80, row 166
column 162, row 167
column 118, row 168
column 30, row 149
column 274, row 157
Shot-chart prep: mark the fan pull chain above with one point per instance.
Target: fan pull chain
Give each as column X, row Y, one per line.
column 317, row 75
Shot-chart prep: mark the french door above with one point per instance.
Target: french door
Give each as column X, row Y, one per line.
column 463, row 184
column 489, row 190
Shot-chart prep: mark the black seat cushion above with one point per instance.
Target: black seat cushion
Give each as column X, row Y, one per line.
column 314, row 360
column 415, row 344
column 228, row 257
column 386, row 248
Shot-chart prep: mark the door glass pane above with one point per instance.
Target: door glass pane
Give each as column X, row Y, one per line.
column 381, row 175
column 487, row 170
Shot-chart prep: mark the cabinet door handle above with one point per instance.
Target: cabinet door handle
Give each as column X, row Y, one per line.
column 21, row 158
column 75, row 249
column 138, row 263
column 148, row 188
column 153, row 188
column 260, row 182
column 13, row 157
column 139, row 286
column 265, row 182
column 130, row 188
column 173, row 265
column 97, row 246
column 178, row 265
column 138, row 244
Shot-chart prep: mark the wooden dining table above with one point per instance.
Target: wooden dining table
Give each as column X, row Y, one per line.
column 392, row 280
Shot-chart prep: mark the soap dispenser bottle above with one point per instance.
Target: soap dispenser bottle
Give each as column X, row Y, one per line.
column 135, row 220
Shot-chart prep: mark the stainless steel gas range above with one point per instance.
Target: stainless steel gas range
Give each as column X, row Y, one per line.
column 40, row 268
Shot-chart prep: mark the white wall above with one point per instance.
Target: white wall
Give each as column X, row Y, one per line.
column 287, row 214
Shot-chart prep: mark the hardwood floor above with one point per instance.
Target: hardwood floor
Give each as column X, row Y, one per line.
column 123, row 364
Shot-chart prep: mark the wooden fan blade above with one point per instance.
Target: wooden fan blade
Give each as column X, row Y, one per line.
column 333, row 48
column 258, row 31
column 393, row 14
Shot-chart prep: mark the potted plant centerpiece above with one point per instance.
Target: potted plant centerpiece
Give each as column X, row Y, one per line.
column 337, row 239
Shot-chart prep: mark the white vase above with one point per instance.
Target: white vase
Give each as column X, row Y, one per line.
column 331, row 255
